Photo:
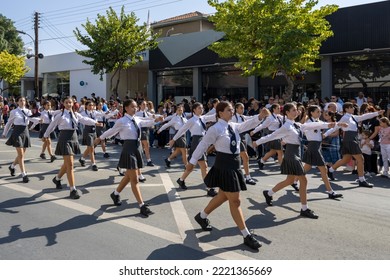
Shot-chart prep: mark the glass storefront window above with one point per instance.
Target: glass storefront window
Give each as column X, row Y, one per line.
column 174, row 84
column 56, row 84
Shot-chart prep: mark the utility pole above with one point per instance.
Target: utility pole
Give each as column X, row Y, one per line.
column 36, row 79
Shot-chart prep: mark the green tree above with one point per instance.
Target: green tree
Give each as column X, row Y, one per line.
column 9, row 37
column 115, row 43
column 270, row 37
column 12, row 68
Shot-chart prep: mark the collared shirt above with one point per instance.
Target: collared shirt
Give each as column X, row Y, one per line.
column 45, row 115
column 176, row 122
column 195, row 126
column 289, row 133
column 64, row 122
column 20, row 116
column 97, row 115
column 126, row 128
column 352, row 125
column 219, row 135
column 272, row 122
column 316, row 134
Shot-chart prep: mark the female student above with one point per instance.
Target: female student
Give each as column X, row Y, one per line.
column 292, row 132
column 68, row 145
column 350, row 148
column 47, row 116
column 129, row 129
column 226, row 172
column 20, row 137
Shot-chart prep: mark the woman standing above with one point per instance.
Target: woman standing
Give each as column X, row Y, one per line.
column 68, row 145
column 197, row 127
column 129, row 129
column 180, row 144
column 46, row 116
column 226, row 172
column 292, row 133
column 350, row 148
column 20, row 137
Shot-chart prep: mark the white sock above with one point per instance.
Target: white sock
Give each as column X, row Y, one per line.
column 296, row 182
column 13, row 165
column 330, row 192
column 116, row 193
column 270, row 193
column 203, row 214
column 148, row 160
column 362, row 179
column 24, row 174
column 262, row 161
column 141, row 177
column 141, row 204
column 72, row 188
column 304, row 207
column 248, row 176
column 168, row 159
column 58, row 178
column 245, row 232
column 82, row 158
column 331, row 169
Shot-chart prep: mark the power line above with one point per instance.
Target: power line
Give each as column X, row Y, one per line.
column 56, row 30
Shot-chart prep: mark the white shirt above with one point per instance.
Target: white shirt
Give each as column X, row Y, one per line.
column 219, row 136
column 19, row 116
column 352, row 125
column 64, row 122
column 126, row 128
column 176, row 122
column 316, row 134
column 366, row 149
column 195, row 126
column 289, row 133
column 97, row 115
column 211, row 112
column 272, row 122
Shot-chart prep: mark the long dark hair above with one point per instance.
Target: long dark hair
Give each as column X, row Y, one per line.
column 221, row 107
column 195, row 106
column 311, row 109
column 273, row 107
column 286, row 108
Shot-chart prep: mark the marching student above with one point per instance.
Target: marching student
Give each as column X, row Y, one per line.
column 101, row 118
column 350, row 147
column 143, row 112
column 291, row 133
column 67, row 144
column 226, row 172
column 129, row 129
column 197, row 127
column 47, row 116
column 20, row 136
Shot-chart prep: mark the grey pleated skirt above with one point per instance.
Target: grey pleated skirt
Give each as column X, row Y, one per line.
column 194, row 143
column 226, row 173
column 145, row 133
column 43, row 129
column 313, row 154
column 181, row 142
column 292, row 163
column 350, row 145
column 68, row 143
column 131, row 155
column 89, row 135
column 20, row 137
column 99, row 129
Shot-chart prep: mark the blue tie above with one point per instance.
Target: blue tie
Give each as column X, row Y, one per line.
column 137, row 128
column 300, row 134
column 72, row 119
column 233, row 140
column 202, row 123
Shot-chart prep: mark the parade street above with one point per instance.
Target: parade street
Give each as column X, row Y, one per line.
column 40, row 222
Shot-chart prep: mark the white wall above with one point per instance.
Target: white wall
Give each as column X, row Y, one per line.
column 91, row 82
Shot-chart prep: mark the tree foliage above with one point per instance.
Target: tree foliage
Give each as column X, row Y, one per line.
column 12, row 68
column 272, row 36
column 9, row 37
column 114, row 43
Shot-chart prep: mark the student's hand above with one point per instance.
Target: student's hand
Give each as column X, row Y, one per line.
column 158, row 131
column 254, row 144
column 99, row 124
column 381, row 112
column 171, row 142
column 342, row 124
column 97, row 141
column 251, row 133
column 332, row 124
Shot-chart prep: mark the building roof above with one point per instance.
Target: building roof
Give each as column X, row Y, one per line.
column 186, row 17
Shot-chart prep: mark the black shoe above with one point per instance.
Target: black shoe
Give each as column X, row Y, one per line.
column 82, row 162
column 142, row 179
column 330, row 175
column 42, row 156
column 167, row 163
column 120, row 172
column 334, row 195
column 181, row 184
column 25, row 179
column 268, row 198
column 94, row 168
column 11, row 170
column 74, row 194
column 261, row 165
column 116, row 199
column 57, row 183
column 212, row 192
column 354, row 172
column 309, row 214
column 106, row 155
column 53, row 158
column 150, row 163
column 250, row 181
column 252, row 242
column 365, row 184
column 204, row 223
column 146, row 211
column 295, row 186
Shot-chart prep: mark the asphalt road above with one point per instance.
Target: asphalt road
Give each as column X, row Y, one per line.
column 39, row 222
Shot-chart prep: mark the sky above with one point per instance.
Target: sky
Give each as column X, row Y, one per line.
column 58, row 19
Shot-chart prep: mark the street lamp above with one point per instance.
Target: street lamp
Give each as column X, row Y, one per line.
column 36, row 56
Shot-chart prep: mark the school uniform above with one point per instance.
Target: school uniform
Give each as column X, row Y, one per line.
column 89, row 131
column 272, row 123
column 129, row 129
column 177, row 122
column 197, row 127
column 291, row 133
column 144, row 130
column 237, row 118
column 67, row 123
column 20, row 136
column 226, row 172
column 47, row 117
